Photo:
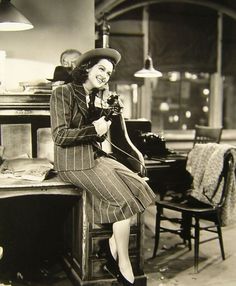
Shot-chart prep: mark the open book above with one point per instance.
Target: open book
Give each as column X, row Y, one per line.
column 34, row 169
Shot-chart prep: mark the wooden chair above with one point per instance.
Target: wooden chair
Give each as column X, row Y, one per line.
column 206, row 134
column 192, row 213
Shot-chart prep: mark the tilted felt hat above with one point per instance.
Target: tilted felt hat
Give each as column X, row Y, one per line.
column 100, row 53
column 61, row 74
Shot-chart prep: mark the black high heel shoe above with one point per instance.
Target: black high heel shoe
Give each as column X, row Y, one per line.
column 121, row 279
column 111, row 265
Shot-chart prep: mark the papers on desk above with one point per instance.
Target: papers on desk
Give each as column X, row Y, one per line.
column 33, row 169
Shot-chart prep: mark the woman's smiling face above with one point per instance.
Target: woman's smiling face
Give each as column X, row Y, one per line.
column 99, row 74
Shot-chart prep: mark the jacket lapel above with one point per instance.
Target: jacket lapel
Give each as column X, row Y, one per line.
column 80, row 97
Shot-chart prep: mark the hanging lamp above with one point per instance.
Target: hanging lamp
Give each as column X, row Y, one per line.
column 148, row 70
column 11, row 19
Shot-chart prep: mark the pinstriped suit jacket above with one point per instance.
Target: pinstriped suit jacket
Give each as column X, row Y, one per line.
column 73, row 138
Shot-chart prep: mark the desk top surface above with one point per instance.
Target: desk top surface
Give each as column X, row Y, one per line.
column 19, row 183
column 15, row 187
column 10, row 187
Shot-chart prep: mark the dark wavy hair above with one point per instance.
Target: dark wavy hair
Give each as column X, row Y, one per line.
column 80, row 73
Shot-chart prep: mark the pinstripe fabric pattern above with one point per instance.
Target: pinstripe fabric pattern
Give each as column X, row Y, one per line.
column 114, row 192
column 72, row 136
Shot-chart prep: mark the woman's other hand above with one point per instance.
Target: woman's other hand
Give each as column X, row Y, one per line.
column 101, row 125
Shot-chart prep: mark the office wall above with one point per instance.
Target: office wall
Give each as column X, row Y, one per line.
column 58, row 25
column 33, row 54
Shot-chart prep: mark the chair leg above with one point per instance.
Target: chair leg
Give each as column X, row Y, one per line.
column 196, row 244
column 189, row 224
column 157, row 230
column 220, row 237
column 221, row 242
column 186, row 226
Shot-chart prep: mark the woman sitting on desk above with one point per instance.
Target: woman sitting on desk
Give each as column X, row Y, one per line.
column 115, row 193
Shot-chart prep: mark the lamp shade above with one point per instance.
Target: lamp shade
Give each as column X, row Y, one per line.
column 11, row 19
column 148, row 70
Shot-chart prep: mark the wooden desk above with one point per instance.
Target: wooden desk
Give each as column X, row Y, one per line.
column 167, row 174
column 81, row 240
column 26, row 108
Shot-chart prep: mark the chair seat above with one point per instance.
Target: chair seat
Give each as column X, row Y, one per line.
column 185, row 207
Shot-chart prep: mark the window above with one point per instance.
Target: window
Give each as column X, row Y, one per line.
column 180, row 100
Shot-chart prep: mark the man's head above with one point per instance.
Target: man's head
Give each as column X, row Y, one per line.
column 69, row 58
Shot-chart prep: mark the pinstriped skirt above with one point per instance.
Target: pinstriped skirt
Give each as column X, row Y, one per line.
column 114, row 192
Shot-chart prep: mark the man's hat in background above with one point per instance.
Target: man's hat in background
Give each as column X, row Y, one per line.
column 61, row 74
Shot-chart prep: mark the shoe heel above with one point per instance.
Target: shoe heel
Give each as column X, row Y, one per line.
column 110, row 271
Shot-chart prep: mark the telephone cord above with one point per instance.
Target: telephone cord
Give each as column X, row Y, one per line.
column 132, row 157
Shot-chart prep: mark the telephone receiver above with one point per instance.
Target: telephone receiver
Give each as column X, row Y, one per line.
column 114, row 106
column 100, row 90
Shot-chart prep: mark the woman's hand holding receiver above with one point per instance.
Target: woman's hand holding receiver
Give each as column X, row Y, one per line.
column 101, row 125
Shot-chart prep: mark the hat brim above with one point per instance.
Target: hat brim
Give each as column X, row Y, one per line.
column 60, row 74
column 106, row 53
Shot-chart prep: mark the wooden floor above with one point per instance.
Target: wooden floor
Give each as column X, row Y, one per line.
column 173, row 265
